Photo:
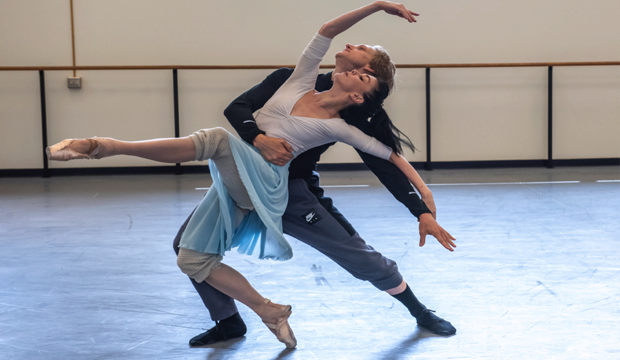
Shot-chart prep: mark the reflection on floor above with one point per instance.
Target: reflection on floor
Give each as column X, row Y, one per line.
column 87, row 271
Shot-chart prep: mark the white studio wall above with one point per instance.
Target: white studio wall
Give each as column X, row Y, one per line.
column 477, row 114
column 20, row 121
column 582, row 129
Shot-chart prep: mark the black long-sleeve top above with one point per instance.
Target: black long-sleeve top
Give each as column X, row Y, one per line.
column 240, row 115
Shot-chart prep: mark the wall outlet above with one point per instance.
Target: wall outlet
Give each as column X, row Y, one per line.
column 74, row 82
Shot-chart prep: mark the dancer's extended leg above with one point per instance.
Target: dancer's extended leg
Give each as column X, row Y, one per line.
column 171, row 150
column 202, row 145
column 331, row 237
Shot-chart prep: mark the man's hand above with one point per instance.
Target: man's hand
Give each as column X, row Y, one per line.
column 276, row 151
column 428, row 226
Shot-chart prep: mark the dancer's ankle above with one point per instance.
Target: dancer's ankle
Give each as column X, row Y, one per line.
column 410, row 301
column 107, row 147
column 397, row 290
column 263, row 311
column 110, row 147
column 270, row 312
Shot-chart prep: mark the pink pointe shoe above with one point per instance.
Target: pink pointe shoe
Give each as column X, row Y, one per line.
column 63, row 151
column 281, row 328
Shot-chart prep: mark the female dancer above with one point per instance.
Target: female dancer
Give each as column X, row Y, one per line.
column 244, row 206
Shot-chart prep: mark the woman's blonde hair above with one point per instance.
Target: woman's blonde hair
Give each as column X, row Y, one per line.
column 383, row 66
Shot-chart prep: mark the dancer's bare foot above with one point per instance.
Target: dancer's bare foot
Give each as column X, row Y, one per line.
column 71, row 149
column 275, row 316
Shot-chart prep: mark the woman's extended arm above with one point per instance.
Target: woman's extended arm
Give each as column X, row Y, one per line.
column 343, row 22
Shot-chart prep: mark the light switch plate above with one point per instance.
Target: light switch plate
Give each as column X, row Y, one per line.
column 74, row 82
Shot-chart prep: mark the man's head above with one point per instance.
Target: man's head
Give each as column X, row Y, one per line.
column 372, row 60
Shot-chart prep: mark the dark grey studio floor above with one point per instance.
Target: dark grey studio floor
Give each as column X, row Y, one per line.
column 87, row 271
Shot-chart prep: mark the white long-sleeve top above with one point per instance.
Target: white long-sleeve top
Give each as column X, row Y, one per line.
column 304, row 133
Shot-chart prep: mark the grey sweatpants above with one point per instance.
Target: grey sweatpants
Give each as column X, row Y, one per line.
column 327, row 235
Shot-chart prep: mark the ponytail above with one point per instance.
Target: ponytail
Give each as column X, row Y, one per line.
column 381, row 126
column 384, row 130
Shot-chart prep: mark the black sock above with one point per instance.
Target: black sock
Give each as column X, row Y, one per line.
column 234, row 321
column 412, row 304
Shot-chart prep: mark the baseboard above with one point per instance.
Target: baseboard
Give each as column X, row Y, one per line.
column 199, row 169
column 484, row 164
column 137, row 170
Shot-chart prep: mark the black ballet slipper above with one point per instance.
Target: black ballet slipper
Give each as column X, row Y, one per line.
column 433, row 323
column 229, row 328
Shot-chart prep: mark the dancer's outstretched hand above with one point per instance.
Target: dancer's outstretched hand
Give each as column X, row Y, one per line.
column 428, row 226
column 398, row 10
column 276, row 151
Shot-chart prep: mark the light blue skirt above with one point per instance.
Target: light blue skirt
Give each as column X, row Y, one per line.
column 211, row 228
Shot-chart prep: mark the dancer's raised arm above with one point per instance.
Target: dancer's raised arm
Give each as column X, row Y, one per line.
column 345, row 21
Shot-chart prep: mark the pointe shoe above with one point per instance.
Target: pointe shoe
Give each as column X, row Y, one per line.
column 63, row 151
column 281, row 328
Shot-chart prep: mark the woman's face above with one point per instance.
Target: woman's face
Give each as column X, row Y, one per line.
column 355, row 82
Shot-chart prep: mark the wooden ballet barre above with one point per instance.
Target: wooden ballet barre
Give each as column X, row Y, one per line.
column 540, row 64
column 270, row 67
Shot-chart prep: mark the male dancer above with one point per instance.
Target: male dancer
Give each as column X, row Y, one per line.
column 312, row 218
